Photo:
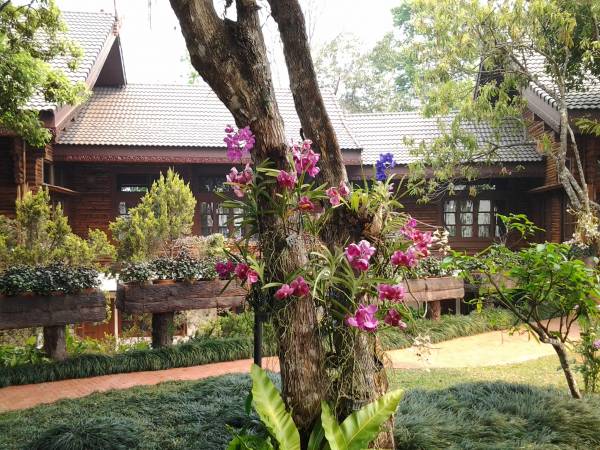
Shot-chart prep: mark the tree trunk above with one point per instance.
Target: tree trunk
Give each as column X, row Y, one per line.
column 560, row 350
column 231, row 57
column 55, row 345
column 369, row 382
column 162, row 329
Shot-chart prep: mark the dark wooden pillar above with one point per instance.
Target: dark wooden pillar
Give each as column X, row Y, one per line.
column 435, row 310
column 162, row 329
column 55, row 345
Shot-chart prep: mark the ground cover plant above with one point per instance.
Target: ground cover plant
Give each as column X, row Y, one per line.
column 480, row 408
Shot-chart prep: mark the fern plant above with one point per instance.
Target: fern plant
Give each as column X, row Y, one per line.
column 356, row 432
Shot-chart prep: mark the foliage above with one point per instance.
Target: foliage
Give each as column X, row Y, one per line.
column 164, row 215
column 589, row 350
column 40, row 234
column 181, row 267
column 355, row 433
column 365, row 80
column 475, row 415
column 47, row 280
column 85, row 433
column 192, row 353
column 465, row 47
column 31, row 36
column 495, row 415
column 537, row 283
column 12, row 355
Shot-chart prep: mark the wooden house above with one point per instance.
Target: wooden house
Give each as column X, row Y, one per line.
column 105, row 153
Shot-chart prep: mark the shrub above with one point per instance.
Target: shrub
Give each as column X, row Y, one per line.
column 165, row 214
column 589, row 349
column 192, row 353
column 182, row 267
column 89, row 433
column 46, row 280
column 41, row 235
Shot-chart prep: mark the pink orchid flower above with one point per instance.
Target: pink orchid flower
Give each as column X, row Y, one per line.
column 238, row 144
column 394, row 319
column 305, row 205
column 224, row 269
column 334, row 196
column 300, row 287
column 364, row 318
column 284, row 292
column 394, row 293
column 287, row 180
column 404, row 259
column 358, row 255
column 305, row 158
column 239, row 180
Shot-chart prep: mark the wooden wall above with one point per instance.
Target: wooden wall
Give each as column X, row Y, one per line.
column 8, row 188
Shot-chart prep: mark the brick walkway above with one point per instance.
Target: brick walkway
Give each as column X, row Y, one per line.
column 487, row 349
column 26, row 396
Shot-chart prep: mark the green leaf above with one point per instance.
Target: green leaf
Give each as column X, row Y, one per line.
column 316, row 436
column 333, row 432
column 362, row 426
column 271, row 409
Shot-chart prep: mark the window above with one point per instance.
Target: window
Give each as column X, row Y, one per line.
column 135, row 183
column 215, row 218
column 471, row 218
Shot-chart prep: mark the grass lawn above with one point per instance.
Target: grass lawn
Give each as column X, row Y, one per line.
column 442, row 409
column 543, row 372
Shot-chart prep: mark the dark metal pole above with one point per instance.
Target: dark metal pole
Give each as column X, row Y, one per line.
column 258, row 337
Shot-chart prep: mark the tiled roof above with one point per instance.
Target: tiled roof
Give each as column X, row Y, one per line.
column 90, row 31
column 385, row 133
column 174, row 116
column 586, row 97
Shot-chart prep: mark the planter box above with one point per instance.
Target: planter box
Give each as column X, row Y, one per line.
column 180, row 296
column 434, row 289
column 24, row 311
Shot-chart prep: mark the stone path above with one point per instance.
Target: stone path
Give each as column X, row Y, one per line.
column 487, row 349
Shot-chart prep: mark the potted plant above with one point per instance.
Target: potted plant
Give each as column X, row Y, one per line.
column 140, row 273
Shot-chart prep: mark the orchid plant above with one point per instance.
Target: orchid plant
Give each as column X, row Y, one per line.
column 359, row 285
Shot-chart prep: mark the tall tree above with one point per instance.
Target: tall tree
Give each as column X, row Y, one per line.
column 31, row 36
column 231, row 57
column 493, row 48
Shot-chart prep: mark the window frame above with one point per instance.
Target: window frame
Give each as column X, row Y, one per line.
column 495, row 208
column 214, row 200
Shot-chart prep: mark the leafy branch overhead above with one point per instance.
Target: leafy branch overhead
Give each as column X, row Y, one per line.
column 474, row 60
column 31, row 37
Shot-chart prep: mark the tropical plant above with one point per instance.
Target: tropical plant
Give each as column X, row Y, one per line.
column 538, row 284
column 356, row 432
column 29, row 353
column 164, row 215
column 40, row 234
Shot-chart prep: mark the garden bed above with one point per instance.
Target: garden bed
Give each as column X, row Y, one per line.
column 138, row 298
column 25, row 310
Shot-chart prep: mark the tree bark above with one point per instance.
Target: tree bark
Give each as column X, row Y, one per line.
column 304, row 85
column 231, row 57
column 55, row 345
column 162, row 329
column 560, row 350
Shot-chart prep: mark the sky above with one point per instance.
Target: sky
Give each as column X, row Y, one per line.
column 153, row 47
